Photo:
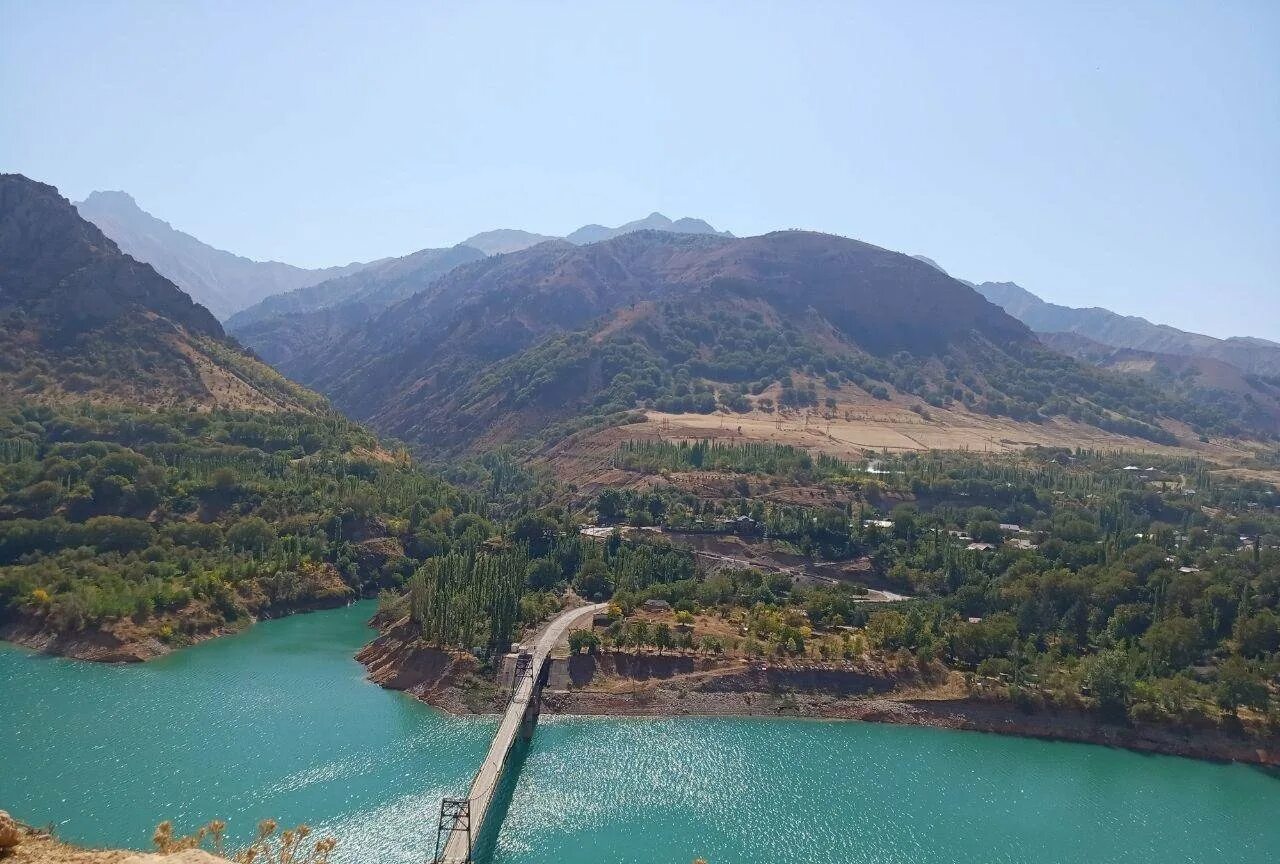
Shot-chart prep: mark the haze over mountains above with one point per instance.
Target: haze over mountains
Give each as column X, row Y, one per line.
column 221, row 281
column 513, row 240
column 531, row 345
column 1106, row 328
column 1240, row 375
column 278, row 326
column 1256, row 356
column 82, row 320
column 510, row 345
column 234, row 287
column 1196, row 367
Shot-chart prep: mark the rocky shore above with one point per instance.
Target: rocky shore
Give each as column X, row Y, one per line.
column 125, row 640
column 674, row 685
column 965, row 714
column 120, row 641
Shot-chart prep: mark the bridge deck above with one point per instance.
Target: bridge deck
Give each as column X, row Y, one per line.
column 490, row 774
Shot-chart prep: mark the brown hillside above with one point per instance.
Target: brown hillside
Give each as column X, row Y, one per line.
column 81, row 320
column 508, row 346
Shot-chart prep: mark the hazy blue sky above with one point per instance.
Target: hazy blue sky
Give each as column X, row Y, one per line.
column 1098, row 156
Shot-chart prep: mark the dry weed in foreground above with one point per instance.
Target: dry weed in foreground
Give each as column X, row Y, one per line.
column 267, row 847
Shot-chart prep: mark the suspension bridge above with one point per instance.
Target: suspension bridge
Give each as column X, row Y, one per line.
column 461, row 819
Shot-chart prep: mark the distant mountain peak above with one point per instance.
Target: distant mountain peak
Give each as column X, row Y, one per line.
column 221, row 281
column 1250, row 355
column 655, row 221
column 86, row 320
column 117, row 197
column 505, row 240
column 502, row 240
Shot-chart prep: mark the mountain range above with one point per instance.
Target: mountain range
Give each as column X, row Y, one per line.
column 83, row 320
column 1250, row 355
column 226, row 283
column 505, row 240
column 516, row 337
column 529, row 345
column 1102, row 327
column 222, row 282
column 505, row 347
column 1239, row 375
column 278, row 326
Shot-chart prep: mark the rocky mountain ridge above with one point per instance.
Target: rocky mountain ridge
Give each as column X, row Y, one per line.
column 519, row 345
column 221, row 281
column 276, row 326
column 83, row 320
column 1248, row 354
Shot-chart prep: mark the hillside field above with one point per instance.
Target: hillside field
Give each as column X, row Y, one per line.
column 860, row 423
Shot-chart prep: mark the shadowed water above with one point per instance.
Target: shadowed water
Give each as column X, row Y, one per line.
column 280, row 722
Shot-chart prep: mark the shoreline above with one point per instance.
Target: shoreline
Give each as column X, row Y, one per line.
column 453, row 684
column 126, row 641
column 969, row 715
column 456, row 686
column 101, row 645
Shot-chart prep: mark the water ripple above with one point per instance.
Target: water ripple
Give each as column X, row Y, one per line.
column 279, row 722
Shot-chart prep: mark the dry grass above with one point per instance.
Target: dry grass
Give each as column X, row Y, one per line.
column 268, row 847
column 287, row 847
column 859, row 424
column 226, row 388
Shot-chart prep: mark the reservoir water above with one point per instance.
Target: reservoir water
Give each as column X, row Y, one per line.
column 279, row 722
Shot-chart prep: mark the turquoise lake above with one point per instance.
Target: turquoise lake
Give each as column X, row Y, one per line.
column 279, row 722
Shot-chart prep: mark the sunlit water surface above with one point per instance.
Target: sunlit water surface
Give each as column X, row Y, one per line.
column 280, row 722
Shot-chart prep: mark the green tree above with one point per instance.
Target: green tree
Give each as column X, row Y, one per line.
column 611, row 505
column 535, row 530
column 639, row 633
column 1172, row 644
column 662, row 636
column 580, row 640
column 887, row 629
column 1109, row 677
column 593, row 580
column 1258, row 634
column 1238, row 685
column 251, row 535
column 542, row 574
column 116, row 534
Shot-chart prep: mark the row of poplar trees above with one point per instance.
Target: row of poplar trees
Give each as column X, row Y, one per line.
column 469, row 600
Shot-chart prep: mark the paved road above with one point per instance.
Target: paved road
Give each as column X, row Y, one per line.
column 487, row 778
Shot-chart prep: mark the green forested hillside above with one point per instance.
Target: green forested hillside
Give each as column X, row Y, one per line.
column 1052, row 579
column 186, row 521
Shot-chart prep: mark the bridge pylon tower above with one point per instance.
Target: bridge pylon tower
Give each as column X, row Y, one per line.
column 455, row 817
